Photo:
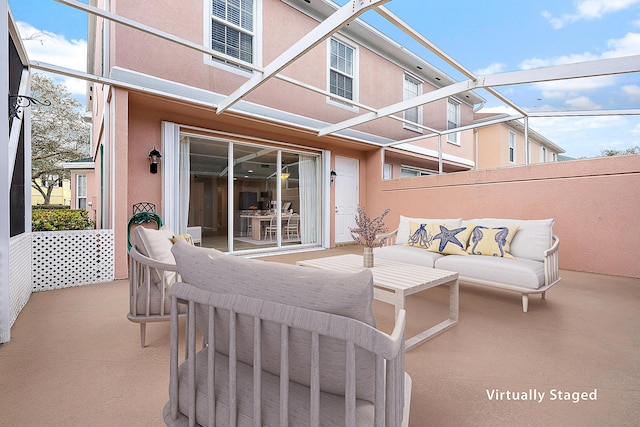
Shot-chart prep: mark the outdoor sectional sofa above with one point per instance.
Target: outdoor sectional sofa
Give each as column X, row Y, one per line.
column 526, row 261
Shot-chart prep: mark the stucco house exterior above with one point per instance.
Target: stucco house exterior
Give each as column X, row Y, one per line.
column 503, row 144
column 262, row 153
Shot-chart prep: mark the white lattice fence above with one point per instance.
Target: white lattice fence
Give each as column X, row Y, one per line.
column 62, row 259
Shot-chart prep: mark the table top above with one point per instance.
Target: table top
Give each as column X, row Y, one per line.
column 393, row 275
column 266, row 216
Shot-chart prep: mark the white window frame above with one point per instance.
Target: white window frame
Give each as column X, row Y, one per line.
column 256, row 41
column 407, row 171
column 354, row 76
column 543, row 155
column 387, row 171
column 407, row 95
column 512, row 147
column 453, row 137
column 79, row 194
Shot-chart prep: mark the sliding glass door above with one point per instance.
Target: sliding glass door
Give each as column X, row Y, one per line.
column 249, row 197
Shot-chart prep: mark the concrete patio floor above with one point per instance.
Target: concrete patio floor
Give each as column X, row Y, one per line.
column 75, row 359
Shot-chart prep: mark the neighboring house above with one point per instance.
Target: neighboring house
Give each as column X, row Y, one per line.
column 61, row 194
column 82, row 179
column 503, row 144
column 264, row 151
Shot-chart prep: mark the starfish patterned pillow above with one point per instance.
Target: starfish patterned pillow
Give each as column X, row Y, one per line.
column 492, row 241
column 451, row 240
column 421, row 235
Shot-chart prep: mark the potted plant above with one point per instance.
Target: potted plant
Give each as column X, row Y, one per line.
column 366, row 233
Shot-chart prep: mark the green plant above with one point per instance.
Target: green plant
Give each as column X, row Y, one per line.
column 60, row 219
column 367, row 228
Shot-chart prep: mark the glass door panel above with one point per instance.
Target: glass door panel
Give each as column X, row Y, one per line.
column 254, row 175
column 208, row 191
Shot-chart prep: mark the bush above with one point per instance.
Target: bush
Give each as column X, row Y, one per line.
column 60, row 219
column 49, row 207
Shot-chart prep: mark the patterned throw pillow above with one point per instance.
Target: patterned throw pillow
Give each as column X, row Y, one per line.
column 451, row 240
column 184, row 236
column 492, row 241
column 421, row 235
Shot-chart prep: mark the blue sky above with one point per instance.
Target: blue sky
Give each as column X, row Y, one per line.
column 486, row 37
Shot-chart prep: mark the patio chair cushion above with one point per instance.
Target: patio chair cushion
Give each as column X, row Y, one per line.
column 155, row 300
column 492, row 241
column 156, row 244
column 332, row 408
column 520, row 272
column 531, row 241
column 403, row 227
column 349, row 295
column 451, row 240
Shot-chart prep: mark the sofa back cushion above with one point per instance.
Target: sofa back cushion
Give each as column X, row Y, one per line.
column 349, row 295
column 404, row 226
column 530, row 241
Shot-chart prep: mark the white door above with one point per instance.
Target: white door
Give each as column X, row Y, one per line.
column 346, row 197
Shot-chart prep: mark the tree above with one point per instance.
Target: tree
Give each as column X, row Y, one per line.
column 610, row 152
column 58, row 134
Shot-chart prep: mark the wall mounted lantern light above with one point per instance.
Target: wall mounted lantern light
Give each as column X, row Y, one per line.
column 154, row 155
column 332, row 177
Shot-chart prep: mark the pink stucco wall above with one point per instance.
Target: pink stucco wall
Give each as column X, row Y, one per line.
column 380, row 81
column 595, row 203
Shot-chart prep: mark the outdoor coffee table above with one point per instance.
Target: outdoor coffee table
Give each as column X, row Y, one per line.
column 394, row 281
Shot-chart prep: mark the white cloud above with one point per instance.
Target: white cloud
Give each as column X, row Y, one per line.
column 588, row 9
column 494, row 68
column 500, row 109
column 632, row 92
column 55, row 49
column 585, row 136
column 563, row 89
column 626, row 46
column 582, row 103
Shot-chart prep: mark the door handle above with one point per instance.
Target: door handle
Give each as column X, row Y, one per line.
column 336, row 209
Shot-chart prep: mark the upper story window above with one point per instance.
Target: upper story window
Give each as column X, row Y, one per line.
column 232, row 28
column 512, row 147
column 412, row 88
column 342, row 69
column 453, row 120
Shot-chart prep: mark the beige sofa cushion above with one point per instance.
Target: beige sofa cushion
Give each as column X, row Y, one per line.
column 408, row 254
column 349, row 295
column 520, row 272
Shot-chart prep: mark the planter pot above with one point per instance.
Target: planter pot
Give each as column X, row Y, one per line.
column 367, row 258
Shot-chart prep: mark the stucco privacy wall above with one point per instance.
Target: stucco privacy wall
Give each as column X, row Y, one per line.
column 595, row 203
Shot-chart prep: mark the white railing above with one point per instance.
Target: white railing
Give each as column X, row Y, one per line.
column 62, row 259
column 19, row 274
